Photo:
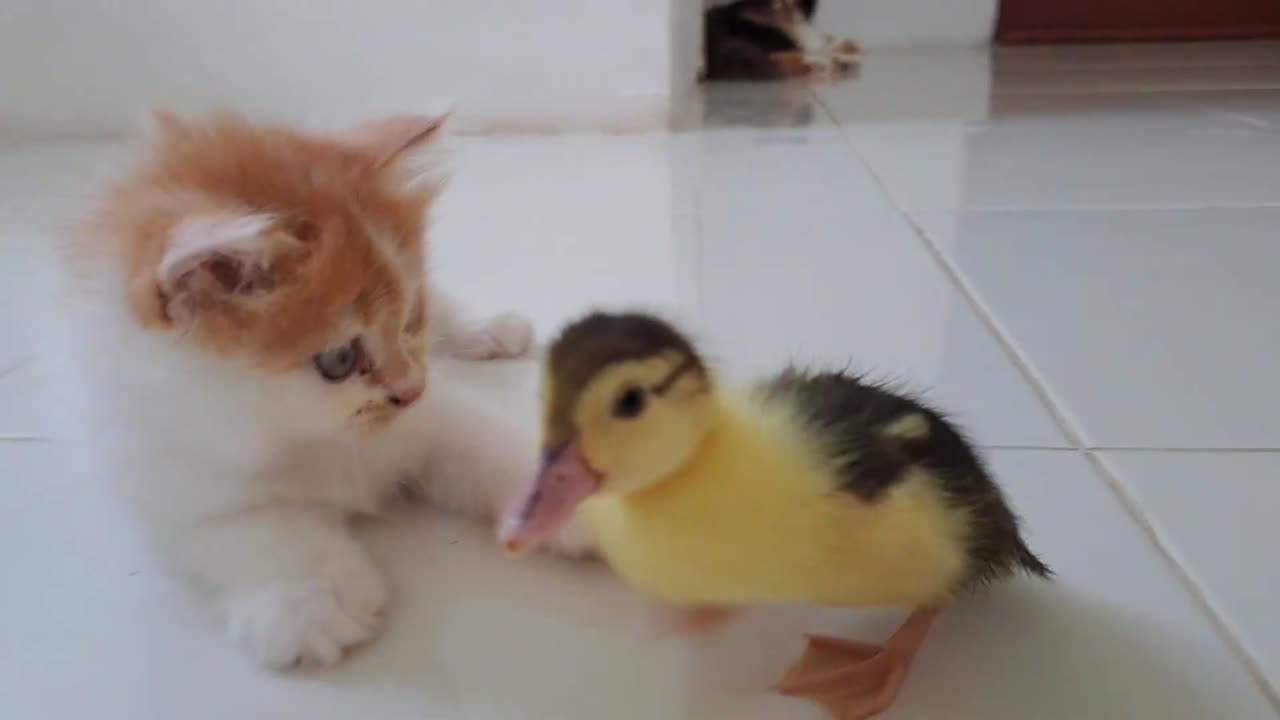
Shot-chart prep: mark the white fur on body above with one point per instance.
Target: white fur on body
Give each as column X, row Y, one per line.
column 245, row 482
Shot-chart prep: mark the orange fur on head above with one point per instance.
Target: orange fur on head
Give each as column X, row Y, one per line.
column 273, row 245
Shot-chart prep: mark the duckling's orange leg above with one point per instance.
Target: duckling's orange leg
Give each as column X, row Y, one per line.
column 854, row 680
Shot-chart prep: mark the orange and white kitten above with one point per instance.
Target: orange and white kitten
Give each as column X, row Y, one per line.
column 257, row 349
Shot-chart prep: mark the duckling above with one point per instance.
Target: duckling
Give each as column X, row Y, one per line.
column 808, row 487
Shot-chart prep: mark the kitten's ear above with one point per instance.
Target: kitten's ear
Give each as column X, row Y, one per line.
column 406, row 144
column 218, row 256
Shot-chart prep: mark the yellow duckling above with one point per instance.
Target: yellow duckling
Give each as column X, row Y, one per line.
column 808, row 488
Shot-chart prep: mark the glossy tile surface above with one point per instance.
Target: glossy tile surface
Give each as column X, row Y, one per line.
column 1031, row 238
column 1114, row 141
column 802, row 260
column 1113, row 637
column 1155, row 328
column 1191, row 500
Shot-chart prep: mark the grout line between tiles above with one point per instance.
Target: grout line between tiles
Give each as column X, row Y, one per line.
column 699, row 237
column 14, row 367
column 985, row 316
column 1197, row 591
column 1224, row 450
column 1066, row 424
column 1253, row 122
column 972, row 209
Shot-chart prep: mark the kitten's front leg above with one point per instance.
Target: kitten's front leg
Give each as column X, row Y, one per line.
column 508, row 335
column 294, row 586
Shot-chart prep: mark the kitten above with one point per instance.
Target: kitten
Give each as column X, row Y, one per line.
column 265, row 357
column 769, row 39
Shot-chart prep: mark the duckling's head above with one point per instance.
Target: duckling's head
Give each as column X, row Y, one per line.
column 626, row 401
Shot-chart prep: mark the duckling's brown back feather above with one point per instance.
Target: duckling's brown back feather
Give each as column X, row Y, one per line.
column 878, row 434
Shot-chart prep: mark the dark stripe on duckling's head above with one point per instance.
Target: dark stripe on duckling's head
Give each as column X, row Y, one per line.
column 600, row 340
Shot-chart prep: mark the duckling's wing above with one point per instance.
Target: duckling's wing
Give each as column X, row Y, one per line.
column 875, row 434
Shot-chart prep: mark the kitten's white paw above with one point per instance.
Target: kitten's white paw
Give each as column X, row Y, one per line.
column 833, row 57
column 505, row 336
column 312, row 622
column 846, row 55
column 512, row 335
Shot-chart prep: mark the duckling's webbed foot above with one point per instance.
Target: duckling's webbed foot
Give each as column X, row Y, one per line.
column 854, row 680
column 700, row 619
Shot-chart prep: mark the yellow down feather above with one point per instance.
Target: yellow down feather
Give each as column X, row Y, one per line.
column 755, row 515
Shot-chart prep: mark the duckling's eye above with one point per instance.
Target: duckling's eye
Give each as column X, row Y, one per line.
column 630, row 403
column 337, row 364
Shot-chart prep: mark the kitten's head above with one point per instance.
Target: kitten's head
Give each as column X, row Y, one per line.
column 295, row 257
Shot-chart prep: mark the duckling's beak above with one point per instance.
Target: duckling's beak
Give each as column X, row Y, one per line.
column 564, row 481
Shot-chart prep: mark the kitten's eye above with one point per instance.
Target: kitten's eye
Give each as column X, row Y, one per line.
column 630, row 403
column 337, row 364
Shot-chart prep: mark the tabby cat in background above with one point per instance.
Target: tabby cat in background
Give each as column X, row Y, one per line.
column 769, row 39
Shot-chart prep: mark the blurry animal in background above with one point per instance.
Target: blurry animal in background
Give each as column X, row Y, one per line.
column 770, row 39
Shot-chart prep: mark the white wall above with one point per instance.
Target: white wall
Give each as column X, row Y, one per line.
column 880, row 23
column 91, row 67
column 686, row 48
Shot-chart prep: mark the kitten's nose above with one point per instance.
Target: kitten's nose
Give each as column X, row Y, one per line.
column 404, row 397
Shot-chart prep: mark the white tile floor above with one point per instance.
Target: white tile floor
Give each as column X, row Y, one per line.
column 1073, row 248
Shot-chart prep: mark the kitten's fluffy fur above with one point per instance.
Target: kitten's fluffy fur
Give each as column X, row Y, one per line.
column 214, row 273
